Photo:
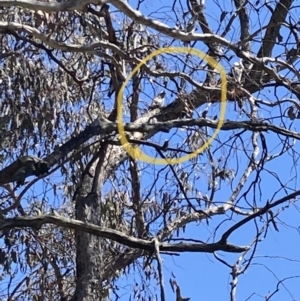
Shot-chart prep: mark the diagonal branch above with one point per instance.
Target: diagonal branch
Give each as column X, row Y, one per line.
column 281, row 10
column 258, row 213
column 38, row 221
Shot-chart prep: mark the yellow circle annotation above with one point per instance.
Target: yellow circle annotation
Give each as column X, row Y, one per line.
column 134, row 151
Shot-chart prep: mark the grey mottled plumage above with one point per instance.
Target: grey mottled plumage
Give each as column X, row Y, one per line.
column 158, row 101
column 237, row 71
column 192, row 24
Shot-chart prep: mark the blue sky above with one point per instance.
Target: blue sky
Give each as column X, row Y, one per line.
column 201, row 276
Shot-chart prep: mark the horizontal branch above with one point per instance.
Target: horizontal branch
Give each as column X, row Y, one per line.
column 92, row 48
column 255, row 126
column 102, row 126
column 34, row 5
column 38, row 221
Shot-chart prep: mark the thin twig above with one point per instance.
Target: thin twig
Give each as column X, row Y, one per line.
column 160, row 272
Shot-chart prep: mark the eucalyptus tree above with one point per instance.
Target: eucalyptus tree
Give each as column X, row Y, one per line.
column 115, row 142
